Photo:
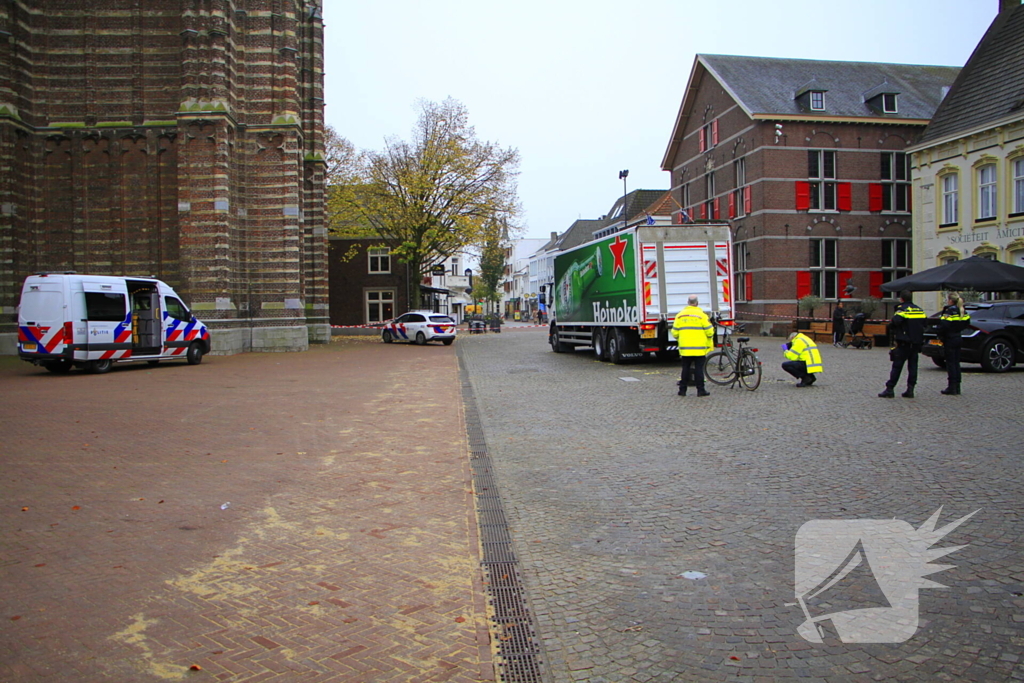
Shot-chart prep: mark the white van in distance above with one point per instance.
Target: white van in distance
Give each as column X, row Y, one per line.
column 69, row 320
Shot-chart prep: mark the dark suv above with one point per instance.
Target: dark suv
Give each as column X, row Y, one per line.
column 995, row 337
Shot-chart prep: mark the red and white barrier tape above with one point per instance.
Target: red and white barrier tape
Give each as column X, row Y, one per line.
column 799, row 317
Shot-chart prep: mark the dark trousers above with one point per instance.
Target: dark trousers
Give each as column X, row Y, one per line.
column 907, row 353
column 798, row 369
column 838, row 331
column 953, row 365
column 692, row 365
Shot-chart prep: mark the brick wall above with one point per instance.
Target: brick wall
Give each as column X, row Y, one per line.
column 173, row 140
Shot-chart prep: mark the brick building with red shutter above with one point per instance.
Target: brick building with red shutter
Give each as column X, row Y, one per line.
column 805, row 160
column 181, row 140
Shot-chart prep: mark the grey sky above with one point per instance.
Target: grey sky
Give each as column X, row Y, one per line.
column 586, row 88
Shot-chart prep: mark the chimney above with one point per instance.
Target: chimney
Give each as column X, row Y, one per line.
column 1008, row 5
column 554, row 235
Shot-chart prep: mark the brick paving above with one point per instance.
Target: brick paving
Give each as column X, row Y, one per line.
column 614, row 489
column 348, row 551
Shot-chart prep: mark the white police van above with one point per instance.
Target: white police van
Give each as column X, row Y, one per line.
column 69, row 320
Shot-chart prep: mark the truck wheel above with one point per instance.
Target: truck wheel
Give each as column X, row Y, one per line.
column 556, row 344
column 600, row 345
column 194, row 355
column 98, row 367
column 615, row 343
column 59, row 367
column 998, row 355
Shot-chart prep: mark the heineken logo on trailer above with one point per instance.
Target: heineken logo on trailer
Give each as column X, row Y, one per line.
column 618, row 248
column 608, row 313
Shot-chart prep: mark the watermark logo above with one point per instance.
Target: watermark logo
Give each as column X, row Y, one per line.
column 863, row 576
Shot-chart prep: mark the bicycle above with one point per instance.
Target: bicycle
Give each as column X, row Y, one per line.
column 734, row 362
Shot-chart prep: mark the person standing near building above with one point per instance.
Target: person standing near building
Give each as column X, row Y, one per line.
column 953, row 320
column 838, row 324
column 693, row 333
column 906, row 332
column 803, row 360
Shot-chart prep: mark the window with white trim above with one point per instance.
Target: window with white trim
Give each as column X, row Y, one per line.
column 818, row 100
column 740, row 166
column 895, row 181
column 895, row 260
column 380, row 260
column 1018, row 186
column 739, row 267
column 889, row 103
column 821, row 172
column 709, row 194
column 987, row 193
column 824, row 270
column 950, row 199
column 380, row 305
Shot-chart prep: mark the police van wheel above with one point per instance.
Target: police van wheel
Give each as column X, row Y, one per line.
column 59, row 367
column 194, row 355
column 98, row 367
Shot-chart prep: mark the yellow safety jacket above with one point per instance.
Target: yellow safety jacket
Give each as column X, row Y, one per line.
column 803, row 348
column 693, row 332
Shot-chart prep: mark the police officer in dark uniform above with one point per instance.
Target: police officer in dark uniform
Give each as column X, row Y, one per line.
column 906, row 330
column 952, row 321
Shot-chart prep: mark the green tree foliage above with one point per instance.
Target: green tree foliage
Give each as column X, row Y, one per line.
column 492, row 261
column 430, row 197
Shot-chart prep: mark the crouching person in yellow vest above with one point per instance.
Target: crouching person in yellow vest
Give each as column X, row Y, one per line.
column 694, row 335
column 803, row 360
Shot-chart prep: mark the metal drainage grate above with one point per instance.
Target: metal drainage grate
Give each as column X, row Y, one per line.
column 512, row 624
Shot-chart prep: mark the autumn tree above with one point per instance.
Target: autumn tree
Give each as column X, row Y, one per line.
column 430, row 197
column 492, row 261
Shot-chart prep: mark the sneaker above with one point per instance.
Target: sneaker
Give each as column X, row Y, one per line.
column 887, row 394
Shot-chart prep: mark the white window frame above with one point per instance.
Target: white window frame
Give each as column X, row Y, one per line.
column 739, row 262
column 824, row 267
column 896, row 260
column 988, row 194
column 740, row 166
column 896, row 189
column 823, row 185
column 886, row 108
column 1018, row 185
column 950, row 199
column 817, row 97
column 369, row 301
column 374, row 256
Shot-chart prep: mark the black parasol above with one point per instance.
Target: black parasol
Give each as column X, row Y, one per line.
column 977, row 273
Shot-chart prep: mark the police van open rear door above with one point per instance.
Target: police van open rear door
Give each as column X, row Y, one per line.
column 109, row 324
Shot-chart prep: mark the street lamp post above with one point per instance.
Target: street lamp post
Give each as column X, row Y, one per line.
column 622, row 176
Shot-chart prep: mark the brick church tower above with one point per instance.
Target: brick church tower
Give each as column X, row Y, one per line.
column 175, row 138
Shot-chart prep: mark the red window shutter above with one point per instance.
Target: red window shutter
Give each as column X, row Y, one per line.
column 803, row 283
column 700, row 138
column 746, row 200
column 844, row 200
column 875, row 284
column 732, row 205
column 875, row 197
column 714, row 207
column 803, row 195
column 844, row 279
column 703, row 212
column 748, row 281
column 714, row 132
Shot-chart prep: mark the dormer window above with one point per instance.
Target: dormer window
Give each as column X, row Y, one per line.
column 811, row 96
column 817, row 100
column 889, row 103
column 882, row 99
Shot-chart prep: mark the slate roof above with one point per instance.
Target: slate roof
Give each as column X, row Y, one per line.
column 768, row 88
column 580, row 231
column 991, row 85
column 767, row 85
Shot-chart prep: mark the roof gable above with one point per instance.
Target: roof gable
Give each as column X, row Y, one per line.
column 991, row 85
column 767, row 87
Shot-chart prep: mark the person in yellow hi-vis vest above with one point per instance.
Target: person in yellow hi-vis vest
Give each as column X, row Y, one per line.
column 693, row 333
column 803, row 360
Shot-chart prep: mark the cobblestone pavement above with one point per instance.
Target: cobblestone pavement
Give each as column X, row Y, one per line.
column 614, row 489
column 348, row 551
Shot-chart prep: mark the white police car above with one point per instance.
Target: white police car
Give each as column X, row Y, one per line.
column 420, row 327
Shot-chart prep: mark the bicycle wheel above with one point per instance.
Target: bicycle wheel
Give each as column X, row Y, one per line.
column 750, row 371
column 718, row 368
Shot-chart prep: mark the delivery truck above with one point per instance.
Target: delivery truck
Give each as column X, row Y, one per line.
column 620, row 294
column 68, row 320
